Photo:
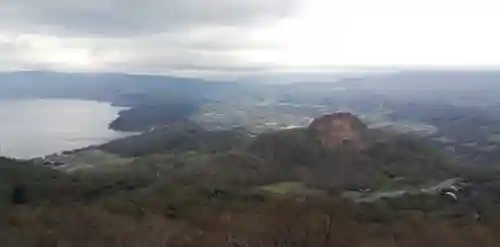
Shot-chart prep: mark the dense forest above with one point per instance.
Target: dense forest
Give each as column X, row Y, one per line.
column 186, row 186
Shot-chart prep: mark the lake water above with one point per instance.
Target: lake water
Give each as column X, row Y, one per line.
column 34, row 128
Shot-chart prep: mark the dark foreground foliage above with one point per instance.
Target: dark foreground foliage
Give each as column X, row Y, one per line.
column 272, row 223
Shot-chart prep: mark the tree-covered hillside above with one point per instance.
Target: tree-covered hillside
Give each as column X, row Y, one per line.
column 186, row 186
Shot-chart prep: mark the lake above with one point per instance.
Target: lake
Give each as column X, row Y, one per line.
column 34, row 128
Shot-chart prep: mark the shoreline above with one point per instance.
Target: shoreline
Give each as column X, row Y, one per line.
column 10, row 151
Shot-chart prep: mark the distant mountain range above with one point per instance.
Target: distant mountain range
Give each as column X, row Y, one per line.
column 452, row 86
column 104, row 87
column 114, row 86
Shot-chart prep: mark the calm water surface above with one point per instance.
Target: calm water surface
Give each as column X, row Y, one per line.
column 34, row 128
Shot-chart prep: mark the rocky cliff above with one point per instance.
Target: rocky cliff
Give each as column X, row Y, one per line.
column 340, row 129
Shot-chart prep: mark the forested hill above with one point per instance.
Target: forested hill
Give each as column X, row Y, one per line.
column 339, row 150
column 336, row 150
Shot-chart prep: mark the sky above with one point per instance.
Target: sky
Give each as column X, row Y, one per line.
column 245, row 36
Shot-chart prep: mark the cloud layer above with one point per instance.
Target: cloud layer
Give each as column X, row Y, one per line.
column 129, row 17
column 165, row 36
column 147, row 35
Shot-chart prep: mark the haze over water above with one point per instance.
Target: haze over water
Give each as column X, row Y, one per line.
column 34, row 128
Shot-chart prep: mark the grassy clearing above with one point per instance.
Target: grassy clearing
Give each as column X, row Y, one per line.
column 92, row 160
column 494, row 138
column 290, row 188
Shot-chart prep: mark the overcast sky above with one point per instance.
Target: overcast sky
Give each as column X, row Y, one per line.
column 221, row 36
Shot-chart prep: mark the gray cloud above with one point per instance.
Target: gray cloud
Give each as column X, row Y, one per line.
column 130, row 17
column 210, row 49
column 134, row 35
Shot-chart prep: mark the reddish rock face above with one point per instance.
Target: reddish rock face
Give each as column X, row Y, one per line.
column 340, row 129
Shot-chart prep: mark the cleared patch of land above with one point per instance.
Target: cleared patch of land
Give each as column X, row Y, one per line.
column 290, row 188
column 93, row 159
